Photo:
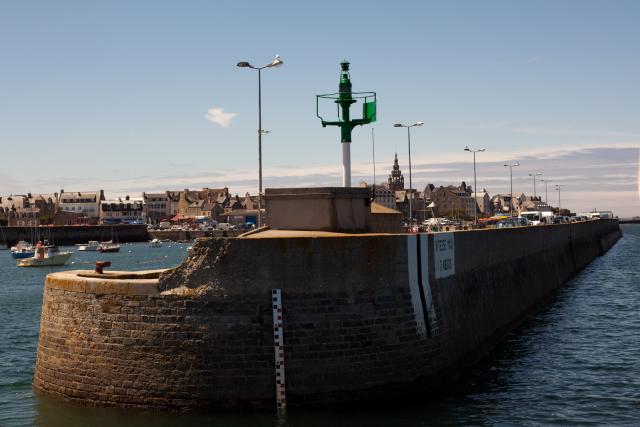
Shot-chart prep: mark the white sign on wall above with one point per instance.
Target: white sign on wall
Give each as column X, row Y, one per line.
column 444, row 255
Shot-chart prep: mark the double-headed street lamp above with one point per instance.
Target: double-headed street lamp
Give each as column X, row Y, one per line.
column 511, row 166
column 546, row 190
column 535, row 194
column 275, row 63
column 475, row 184
column 400, row 125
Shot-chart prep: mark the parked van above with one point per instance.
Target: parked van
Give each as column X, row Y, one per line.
column 538, row 217
column 598, row 215
column 224, row 226
column 164, row 225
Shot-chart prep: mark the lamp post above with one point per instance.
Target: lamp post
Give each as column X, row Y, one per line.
column 511, row 166
column 558, row 187
column 546, row 193
column 273, row 64
column 535, row 194
column 373, row 151
column 400, row 125
column 475, row 188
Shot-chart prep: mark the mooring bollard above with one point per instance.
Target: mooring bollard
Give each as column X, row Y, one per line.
column 100, row 265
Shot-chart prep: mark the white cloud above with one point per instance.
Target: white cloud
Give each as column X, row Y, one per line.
column 217, row 115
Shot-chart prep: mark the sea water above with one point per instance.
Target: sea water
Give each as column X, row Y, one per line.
column 574, row 361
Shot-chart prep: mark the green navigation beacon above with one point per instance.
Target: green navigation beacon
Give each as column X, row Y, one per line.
column 344, row 98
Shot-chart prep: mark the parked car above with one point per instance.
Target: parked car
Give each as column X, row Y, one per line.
column 523, row 222
column 246, row 226
column 508, row 223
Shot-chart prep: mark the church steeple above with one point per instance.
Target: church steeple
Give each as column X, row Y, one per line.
column 396, row 180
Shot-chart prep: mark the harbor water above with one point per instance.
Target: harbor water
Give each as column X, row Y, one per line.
column 574, row 361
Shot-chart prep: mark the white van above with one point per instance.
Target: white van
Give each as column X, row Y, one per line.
column 224, row 226
column 538, row 217
column 164, row 225
column 598, row 215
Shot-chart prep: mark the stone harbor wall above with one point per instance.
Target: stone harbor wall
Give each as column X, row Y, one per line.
column 365, row 317
column 72, row 234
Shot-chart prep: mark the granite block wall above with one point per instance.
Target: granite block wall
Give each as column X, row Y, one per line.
column 366, row 317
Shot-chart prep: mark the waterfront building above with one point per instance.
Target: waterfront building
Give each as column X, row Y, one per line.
column 384, row 197
column 451, row 201
column 19, row 212
column 187, row 198
column 417, row 203
column 250, row 202
column 13, row 202
column 173, row 203
column 381, row 194
column 125, row 210
column 235, row 203
column 483, row 203
column 531, row 203
column 86, row 203
column 47, row 205
column 24, row 217
column 30, row 210
column 156, row 206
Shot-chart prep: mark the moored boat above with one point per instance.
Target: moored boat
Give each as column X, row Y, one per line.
column 92, row 245
column 22, row 250
column 109, row 247
column 45, row 256
column 155, row 243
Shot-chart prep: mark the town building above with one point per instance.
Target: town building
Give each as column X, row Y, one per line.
column 192, row 203
column 483, row 203
column 451, row 201
column 18, row 212
column 395, row 184
column 125, row 210
column 86, row 203
column 531, row 203
column 157, row 207
column 47, row 205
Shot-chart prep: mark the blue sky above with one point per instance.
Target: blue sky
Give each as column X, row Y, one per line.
column 114, row 94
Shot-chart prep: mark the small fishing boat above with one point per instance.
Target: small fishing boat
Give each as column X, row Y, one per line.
column 155, row 243
column 45, row 256
column 92, row 245
column 109, row 247
column 22, row 250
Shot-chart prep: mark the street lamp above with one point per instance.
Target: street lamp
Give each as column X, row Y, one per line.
column 273, row 64
column 511, row 166
column 475, row 188
column 546, row 194
column 558, row 188
column 400, row 125
column 535, row 194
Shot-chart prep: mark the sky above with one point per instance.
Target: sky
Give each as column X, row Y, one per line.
column 146, row 95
